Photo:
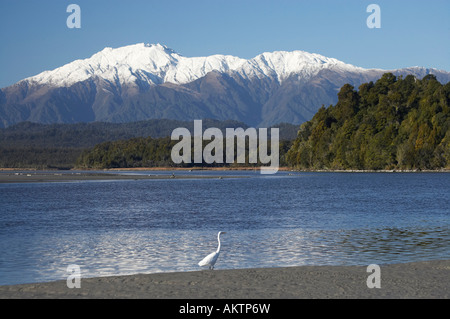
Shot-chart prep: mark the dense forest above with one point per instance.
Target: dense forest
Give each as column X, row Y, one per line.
column 135, row 152
column 395, row 123
column 150, row 152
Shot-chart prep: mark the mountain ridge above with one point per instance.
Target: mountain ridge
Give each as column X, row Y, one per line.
column 152, row 81
column 158, row 64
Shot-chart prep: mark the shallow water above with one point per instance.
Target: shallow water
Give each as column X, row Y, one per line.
column 145, row 226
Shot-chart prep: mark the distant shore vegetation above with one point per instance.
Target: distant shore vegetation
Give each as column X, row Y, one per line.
column 395, row 123
column 392, row 124
column 149, row 152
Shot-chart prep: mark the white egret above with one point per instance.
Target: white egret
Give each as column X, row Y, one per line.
column 211, row 259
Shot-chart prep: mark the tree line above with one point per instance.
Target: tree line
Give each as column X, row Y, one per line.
column 394, row 123
column 154, row 152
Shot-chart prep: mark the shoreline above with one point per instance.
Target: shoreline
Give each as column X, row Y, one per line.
column 45, row 177
column 283, row 169
column 237, row 168
column 415, row 280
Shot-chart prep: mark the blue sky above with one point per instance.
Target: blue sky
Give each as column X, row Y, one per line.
column 34, row 36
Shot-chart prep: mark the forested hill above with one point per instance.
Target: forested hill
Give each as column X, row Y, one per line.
column 395, row 123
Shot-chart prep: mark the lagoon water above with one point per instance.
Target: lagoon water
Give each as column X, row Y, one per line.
column 287, row 219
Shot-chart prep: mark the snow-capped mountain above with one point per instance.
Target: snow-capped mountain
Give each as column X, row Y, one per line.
column 156, row 64
column 143, row 81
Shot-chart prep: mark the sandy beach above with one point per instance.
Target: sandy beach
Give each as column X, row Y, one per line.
column 44, row 177
column 419, row 280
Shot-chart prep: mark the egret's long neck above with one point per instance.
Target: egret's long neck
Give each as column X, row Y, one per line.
column 218, row 239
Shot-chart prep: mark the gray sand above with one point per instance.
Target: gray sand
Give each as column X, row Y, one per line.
column 45, row 177
column 422, row 280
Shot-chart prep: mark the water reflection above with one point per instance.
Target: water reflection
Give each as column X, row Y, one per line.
column 115, row 253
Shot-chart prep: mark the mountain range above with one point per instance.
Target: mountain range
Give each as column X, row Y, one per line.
column 151, row 81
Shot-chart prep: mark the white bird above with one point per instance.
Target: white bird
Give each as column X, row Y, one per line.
column 211, row 259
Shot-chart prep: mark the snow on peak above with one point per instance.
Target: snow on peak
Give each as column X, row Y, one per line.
column 123, row 64
column 282, row 64
column 157, row 64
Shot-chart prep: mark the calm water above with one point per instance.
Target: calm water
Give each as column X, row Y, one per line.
column 125, row 227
